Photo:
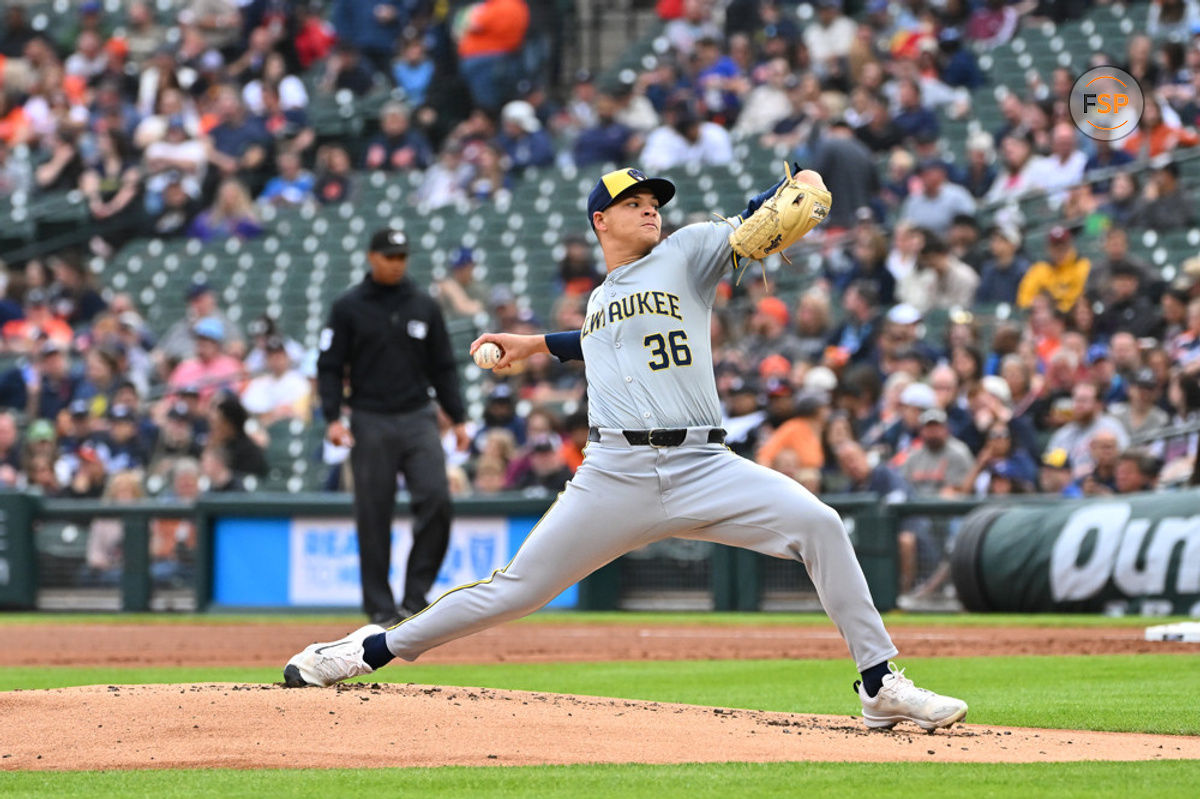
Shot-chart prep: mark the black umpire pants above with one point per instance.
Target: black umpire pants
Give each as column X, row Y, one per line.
column 384, row 445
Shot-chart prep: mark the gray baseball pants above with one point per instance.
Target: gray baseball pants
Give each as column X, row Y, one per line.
column 624, row 497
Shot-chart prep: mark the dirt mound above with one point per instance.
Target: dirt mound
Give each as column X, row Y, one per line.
column 374, row 725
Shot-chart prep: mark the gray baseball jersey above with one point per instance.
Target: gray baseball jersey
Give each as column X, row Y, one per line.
column 646, row 335
column 648, row 361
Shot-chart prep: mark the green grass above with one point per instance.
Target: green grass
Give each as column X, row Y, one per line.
column 698, row 618
column 1133, row 693
column 877, row 780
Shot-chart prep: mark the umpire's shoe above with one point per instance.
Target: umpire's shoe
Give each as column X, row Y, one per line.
column 899, row 700
column 325, row 664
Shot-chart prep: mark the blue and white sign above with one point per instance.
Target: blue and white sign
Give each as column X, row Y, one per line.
column 313, row 562
column 323, row 558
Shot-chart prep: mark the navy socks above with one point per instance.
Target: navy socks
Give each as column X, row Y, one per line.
column 872, row 678
column 375, row 651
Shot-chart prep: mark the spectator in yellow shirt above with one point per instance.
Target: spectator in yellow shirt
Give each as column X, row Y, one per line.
column 1062, row 276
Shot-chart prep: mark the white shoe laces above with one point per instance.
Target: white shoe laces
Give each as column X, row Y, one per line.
column 899, row 684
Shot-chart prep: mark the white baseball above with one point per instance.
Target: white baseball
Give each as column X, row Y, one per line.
column 488, row 355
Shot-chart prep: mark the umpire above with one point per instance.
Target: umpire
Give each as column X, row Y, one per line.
column 388, row 339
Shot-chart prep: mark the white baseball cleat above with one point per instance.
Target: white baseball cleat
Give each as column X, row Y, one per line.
column 899, row 700
column 324, row 664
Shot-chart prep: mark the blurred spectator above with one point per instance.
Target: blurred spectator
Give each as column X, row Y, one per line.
column 1062, row 276
column 938, row 202
column 848, row 170
column 262, row 330
column 855, row 337
column 998, row 458
column 398, row 146
column 1141, row 413
column 1017, row 165
column 124, row 448
column 979, row 173
column 89, row 476
column 577, row 271
column 287, row 126
column 293, row 185
column 1172, row 19
column 289, row 93
column 17, row 31
column 683, row 138
column 1123, row 200
column 829, row 38
column 799, row 435
column 1106, row 156
column 1155, row 136
column 39, row 322
column 522, row 138
column 489, row 181
column 106, row 536
column 1001, row 274
column 1100, row 479
column 461, row 295
column 1087, row 420
column 231, row 215
column 43, row 386
column 766, row 104
column 72, row 295
column 175, row 157
column 768, row 333
column 720, row 82
column 606, row 140
column 1127, row 309
column 491, row 34
column 1185, row 347
column 314, row 36
column 413, row 71
column 911, row 117
column 64, row 166
column 880, row 479
column 547, row 471
column 218, row 473
column 178, row 439
column 1163, row 204
column 900, row 438
column 238, row 144
column 694, row 24
column 227, row 435
column 173, row 541
column 143, row 35
column 10, row 450
column 992, row 24
column 281, row 393
column 940, row 465
column 371, row 27
column 335, row 177
column 941, row 280
column 1136, row 471
column 346, row 71
column 445, row 183
column 210, row 369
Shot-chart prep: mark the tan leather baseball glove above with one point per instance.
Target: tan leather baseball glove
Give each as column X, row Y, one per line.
column 800, row 204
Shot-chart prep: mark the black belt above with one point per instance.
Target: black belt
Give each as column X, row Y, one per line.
column 660, row 437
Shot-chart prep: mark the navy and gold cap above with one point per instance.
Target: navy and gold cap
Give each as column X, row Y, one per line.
column 612, row 186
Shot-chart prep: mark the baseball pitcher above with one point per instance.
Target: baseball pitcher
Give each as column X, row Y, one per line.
column 656, row 452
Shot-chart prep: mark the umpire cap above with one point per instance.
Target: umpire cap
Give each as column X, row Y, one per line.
column 389, row 242
column 614, row 185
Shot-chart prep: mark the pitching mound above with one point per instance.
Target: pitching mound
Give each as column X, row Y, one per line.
column 371, row 726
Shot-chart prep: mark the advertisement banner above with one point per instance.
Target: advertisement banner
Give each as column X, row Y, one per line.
column 1138, row 553
column 323, row 558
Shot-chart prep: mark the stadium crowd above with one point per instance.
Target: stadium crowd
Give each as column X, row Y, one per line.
column 1056, row 373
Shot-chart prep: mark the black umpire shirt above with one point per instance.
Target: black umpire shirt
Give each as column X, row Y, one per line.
column 394, row 341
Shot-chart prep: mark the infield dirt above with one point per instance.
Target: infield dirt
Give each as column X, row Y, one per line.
column 374, row 726
column 263, row 726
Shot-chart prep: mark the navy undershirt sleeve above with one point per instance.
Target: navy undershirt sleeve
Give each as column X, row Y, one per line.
column 566, row 346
